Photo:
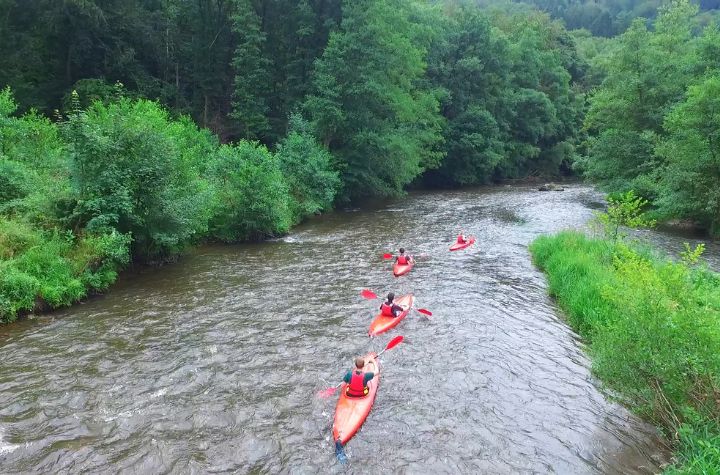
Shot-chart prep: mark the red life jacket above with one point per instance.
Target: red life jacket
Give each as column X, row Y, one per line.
column 386, row 310
column 460, row 240
column 356, row 387
column 402, row 260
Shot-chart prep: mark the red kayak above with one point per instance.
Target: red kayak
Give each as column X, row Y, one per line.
column 351, row 412
column 402, row 269
column 381, row 323
column 462, row 245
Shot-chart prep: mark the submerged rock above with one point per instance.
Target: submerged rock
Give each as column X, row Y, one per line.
column 551, row 187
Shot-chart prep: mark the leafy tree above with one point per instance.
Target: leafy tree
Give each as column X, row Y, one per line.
column 251, row 72
column 368, row 107
column 471, row 64
column 646, row 74
column 691, row 182
column 307, row 168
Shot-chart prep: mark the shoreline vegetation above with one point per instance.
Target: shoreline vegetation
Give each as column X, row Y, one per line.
column 105, row 163
column 237, row 122
column 652, row 326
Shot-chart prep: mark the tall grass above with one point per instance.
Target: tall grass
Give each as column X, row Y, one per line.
column 654, row 331
column 43, row 269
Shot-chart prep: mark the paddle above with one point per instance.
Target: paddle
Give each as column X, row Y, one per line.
column 370, row 295
column 326, row 393
column 387, row 256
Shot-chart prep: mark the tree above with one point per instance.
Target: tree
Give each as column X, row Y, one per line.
column 251, row 83
column 307, row 168
column 471, row 65
column 131, row 176
column 368, row 106
column 690, row 183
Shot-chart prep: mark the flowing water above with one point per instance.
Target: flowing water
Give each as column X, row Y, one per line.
column 212, row 365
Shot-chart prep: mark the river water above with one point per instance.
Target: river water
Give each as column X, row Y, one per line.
column 212, row 365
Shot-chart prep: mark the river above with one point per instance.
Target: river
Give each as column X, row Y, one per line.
column 212, row 365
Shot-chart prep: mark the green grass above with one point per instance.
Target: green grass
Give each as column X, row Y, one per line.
column 41, row 269
column 654, row 331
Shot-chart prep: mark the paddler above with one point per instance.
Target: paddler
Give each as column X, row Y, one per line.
column 389, row 308
column 462, row 239
column 402, row 259
column 357, row 380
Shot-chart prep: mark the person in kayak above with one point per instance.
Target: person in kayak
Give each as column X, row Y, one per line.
column 357, row 380
column 389, row 308
column 402, row 259
column 462, row 239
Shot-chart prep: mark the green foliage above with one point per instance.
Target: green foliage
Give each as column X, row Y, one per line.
column 508, row 98
column 251, row 72
column 469, row 61
column 367, row 104
column 653, row 121
column 700, row 447
column 307, row 168
column 131, row 176
column 654, row 329
column 692, row 153
column 690, row 257
column 50, row 269
column 625, row 210
column 18, row 292
column 14, row 181
column 16, row 237
column 253, row 198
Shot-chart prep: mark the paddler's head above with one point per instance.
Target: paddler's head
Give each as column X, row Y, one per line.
column 359, row 362
column 391, row 297
column 402, row 250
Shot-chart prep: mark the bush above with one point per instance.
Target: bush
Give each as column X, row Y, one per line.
column 97, row 258
column 15, row 237
column 54, row 269
column 253, row 198
column 17, row 291
column 133, row 176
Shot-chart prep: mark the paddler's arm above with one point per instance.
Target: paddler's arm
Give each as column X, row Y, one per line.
column 347, row 377
column 368, row 377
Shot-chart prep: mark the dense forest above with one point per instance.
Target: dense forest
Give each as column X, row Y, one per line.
column 132, row 129
column 611, row 17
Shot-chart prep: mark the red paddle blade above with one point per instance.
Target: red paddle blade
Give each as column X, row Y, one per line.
column 387, row 256
column 394, row 342
column 368, row 294
column 326, row 393
column 424, row 311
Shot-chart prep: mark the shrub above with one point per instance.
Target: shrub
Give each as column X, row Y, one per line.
column 133, row 176
column 252, row 195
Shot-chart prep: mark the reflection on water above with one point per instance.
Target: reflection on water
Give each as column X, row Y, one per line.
column 212, row 364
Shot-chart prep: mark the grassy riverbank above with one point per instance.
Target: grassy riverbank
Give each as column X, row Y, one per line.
column 122, row 180
column 654, row 331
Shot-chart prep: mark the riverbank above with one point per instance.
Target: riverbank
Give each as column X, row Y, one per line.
column 125, row 182
column 653, row 328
